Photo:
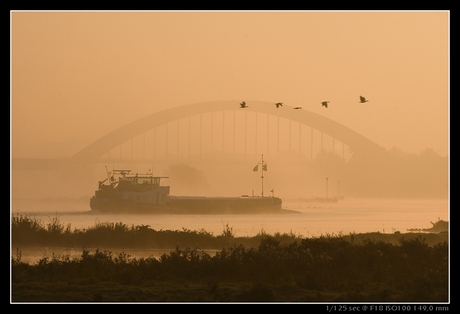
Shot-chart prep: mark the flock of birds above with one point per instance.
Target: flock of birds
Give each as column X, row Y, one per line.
column 323, row 103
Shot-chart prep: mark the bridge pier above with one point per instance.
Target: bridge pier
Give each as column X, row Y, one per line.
column 268, row 132
column 234, row 131
column 278, row 137
column 178, row 139
column 311, row 145
column 201, row 132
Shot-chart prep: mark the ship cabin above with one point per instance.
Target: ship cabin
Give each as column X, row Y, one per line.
column 140, row 182
column 142, row 179
column 138, row 188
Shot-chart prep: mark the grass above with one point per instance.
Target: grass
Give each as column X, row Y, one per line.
column 263, row 268
column 32, row 232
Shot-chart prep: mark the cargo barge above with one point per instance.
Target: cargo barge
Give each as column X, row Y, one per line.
column 125, row 193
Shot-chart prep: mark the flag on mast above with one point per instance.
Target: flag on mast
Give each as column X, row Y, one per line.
column 255, row 168
column 264, row 167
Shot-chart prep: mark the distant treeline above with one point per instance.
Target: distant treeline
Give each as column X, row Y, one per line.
column 387, row 174
column 397, row 175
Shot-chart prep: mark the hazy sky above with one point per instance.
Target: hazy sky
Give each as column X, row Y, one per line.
column 76, row 76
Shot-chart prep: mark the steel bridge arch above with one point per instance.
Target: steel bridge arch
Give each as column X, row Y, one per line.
column 357, row 142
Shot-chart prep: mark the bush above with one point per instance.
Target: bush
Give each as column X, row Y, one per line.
column 408, row 272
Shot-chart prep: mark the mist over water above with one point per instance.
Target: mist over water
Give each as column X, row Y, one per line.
column 421, row 179
column 312, row 220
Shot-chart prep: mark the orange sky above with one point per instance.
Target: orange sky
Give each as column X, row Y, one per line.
column 76, row 76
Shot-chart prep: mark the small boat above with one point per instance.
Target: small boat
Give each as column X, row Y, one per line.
column 322, row 200
column 439, row 226
column 334, row 199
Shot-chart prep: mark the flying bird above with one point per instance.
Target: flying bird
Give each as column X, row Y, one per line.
column 362, row 99
column 243, row 105
column 324, row 103
column 278, row 104
column 297, row 107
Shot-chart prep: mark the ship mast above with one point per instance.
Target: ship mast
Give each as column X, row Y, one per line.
column 262, row 177
column 108, row 174
column 264, row 168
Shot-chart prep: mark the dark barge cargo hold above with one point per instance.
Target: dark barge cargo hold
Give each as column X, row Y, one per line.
column 142, row 193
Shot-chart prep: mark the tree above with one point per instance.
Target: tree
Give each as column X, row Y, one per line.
column 185, row 179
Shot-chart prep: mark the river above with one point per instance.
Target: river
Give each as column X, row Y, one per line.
column 312, row 220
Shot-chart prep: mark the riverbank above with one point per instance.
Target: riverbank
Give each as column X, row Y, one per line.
column 371, row 267
column 28, row 231
column 325, row 269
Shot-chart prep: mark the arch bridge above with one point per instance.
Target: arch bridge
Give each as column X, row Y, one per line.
column 194, row 131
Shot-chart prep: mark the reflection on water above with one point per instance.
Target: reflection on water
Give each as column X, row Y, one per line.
column 313, row 220
column 33, row 255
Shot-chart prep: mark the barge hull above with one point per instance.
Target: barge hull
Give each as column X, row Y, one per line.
column 190, row 206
